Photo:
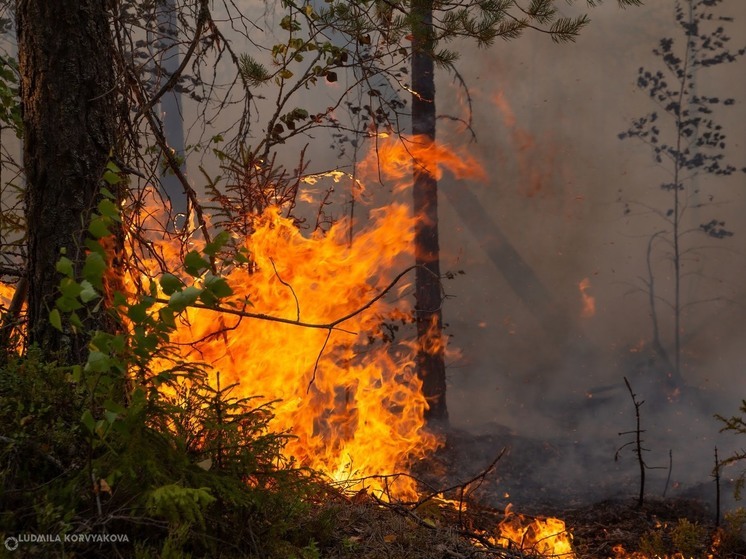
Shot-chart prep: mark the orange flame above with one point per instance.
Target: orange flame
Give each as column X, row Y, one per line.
column 546, row 537
column 16, row 332
column 355, row 409
column 6, row 294
column 589, row 301
column 392, row 158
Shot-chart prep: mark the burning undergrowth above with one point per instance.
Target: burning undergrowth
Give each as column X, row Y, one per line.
column 315, row 346
column 306, row 327
column 352, row 403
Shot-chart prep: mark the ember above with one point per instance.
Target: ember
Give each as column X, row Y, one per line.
column 589, row 302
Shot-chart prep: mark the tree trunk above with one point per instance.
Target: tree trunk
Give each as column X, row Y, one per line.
column 428, row 293
column 68, row 99
column 169, row 60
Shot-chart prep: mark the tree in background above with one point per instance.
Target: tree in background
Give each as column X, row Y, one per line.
column 685, row 138
column 430, row 25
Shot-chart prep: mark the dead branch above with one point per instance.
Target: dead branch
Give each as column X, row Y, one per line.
column 480, row 477
column 321, row 326
column 169, row 85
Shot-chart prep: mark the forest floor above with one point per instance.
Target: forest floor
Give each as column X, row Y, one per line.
column 598, row 503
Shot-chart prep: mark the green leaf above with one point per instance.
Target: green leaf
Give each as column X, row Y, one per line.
column 110, row 416
column 220, row 240
column 138, row 313
column 101, row 341
column 100, row 428
column 218, row 286
column 94, row 246
column 112, row 174
column 242, row 256
column 55, row 319
column 88, row 421
column 208, row 298
column 113, row 167
column 68, row 304
column 65, row 266
column 109, row 209
column 170, row 284
column 112, row 178
column 98, row 362
column 115, row 407
column 286, row 23
column 99, row 228
column 153, row 289
column 182, row 299
column 75, row 320
column 70, row 288
column 94, row 268
column 166, row 315
column 117, row 343
column 87, row 293
column 194, row 264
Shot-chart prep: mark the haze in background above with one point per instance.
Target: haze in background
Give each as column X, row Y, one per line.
column 547, row 119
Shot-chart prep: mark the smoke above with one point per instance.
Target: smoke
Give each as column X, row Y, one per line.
column 546, row 119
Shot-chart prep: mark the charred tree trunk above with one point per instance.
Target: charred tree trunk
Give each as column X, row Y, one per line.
column 428, row 293
column 68, row 100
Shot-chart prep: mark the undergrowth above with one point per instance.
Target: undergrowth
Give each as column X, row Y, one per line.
column 193, row 474
column 136, row 453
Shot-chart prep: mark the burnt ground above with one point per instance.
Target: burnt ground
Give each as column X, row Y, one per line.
column 596, row 496
column 545, row 475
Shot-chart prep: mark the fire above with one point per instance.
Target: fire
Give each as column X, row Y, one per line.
column 392, row 159
column 546, row 537
column 355, row 409
column 6, row 294
column 589, row 301
column 11, row 330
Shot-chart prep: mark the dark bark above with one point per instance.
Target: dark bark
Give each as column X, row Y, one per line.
column 68, row 99
column 428, row 292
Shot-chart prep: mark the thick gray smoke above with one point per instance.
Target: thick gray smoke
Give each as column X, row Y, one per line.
column 547, row 119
